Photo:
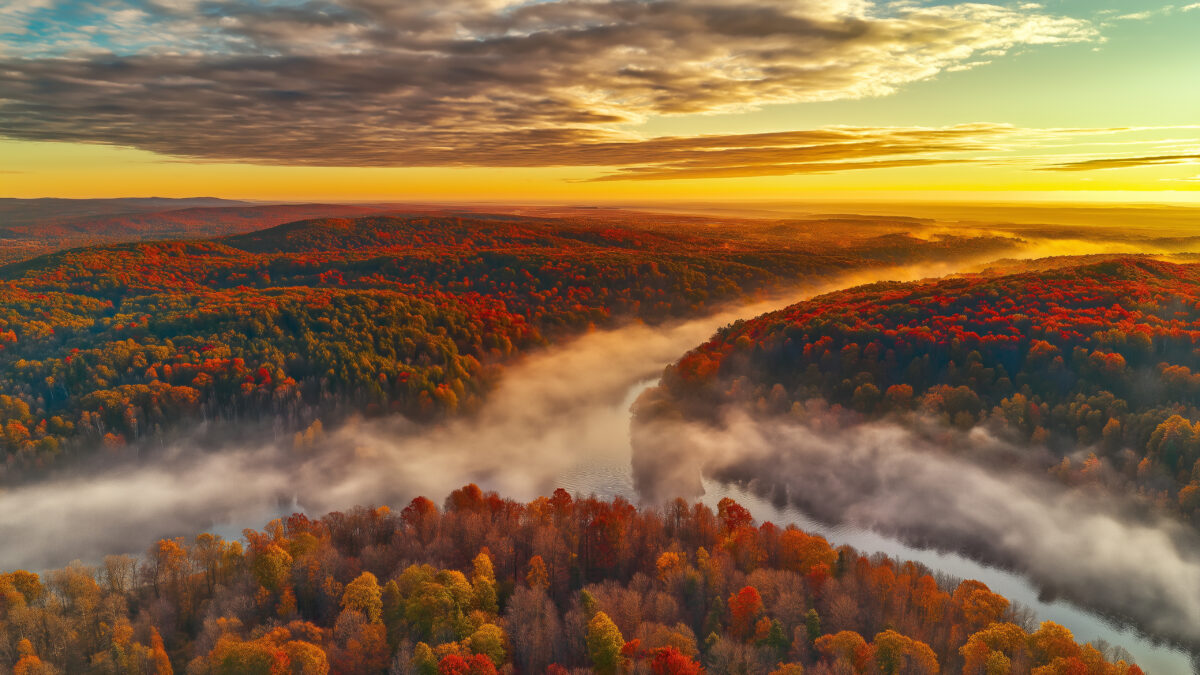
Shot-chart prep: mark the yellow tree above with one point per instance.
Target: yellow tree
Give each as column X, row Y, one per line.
column 604, row 643
column 483, row 583
column 364, row 595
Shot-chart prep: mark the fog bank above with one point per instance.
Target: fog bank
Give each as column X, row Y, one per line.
column 549, row 410
column 882, row 477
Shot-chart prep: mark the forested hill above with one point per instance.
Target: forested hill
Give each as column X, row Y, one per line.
column 1091, row 355
column 102, row 347
column 488, row 585
column 32, row 227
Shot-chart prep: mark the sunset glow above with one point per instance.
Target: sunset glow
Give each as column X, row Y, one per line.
column 603, row 101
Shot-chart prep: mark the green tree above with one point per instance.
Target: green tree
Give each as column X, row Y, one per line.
column 604, row 643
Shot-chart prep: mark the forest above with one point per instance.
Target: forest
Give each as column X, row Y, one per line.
column 484, row 584
column 1091, row 365
column 107, row 348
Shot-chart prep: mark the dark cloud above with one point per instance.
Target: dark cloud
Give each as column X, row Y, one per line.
column 484, row 82
column 1122, row 162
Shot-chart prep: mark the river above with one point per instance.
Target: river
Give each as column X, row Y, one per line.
column 609, row 475
column 559, row 418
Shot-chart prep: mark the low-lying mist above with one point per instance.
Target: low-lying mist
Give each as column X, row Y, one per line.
column 1092, row 548
column 570, row 403
column 548, row 411
column 551, row 410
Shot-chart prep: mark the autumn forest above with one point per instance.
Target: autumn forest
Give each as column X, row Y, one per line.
column 700, row 526
column 599, row 337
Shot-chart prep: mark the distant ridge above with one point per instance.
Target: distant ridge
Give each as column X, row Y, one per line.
column 36, row 227
column 15, row 212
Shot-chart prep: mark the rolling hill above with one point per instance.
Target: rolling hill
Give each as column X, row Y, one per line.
column 1092, row 365
column 113, row 346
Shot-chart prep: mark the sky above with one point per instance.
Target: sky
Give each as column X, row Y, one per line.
column 601, row 100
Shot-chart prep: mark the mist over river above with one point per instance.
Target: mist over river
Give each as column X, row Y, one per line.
column 560, row 417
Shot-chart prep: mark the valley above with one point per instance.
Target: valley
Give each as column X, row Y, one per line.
column 547, row 351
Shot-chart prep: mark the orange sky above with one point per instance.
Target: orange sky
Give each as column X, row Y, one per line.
column 533, row 101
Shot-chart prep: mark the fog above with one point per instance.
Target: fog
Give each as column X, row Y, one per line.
column 549, row 410
column 1091, row 548
column 563, row 404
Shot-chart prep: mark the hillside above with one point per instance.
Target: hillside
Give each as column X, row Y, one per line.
column 32, row 227
column 489, row 585
column 108, row 346
column 1091, row 366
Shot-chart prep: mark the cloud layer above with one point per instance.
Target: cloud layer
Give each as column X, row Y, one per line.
column 1124, row 162
column 482, row 82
